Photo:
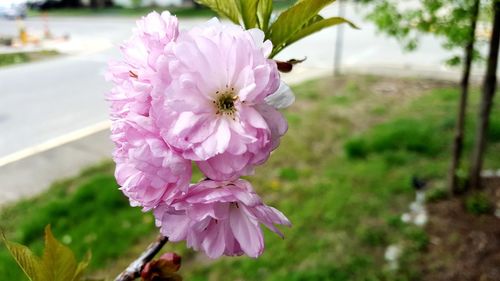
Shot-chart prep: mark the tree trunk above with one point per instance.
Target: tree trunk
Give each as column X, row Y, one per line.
column 489, row 88
column 464, row 92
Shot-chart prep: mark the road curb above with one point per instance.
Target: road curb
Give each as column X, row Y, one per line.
column 31, row 175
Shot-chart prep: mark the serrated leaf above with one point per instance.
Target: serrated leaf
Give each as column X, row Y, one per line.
column 225, row 8
column 248, row 10
column 293, row 19
column 264, row 11
column 317, row 26
column 82, row 266
column 29, row 263
column 58, row 260
column 57, row 264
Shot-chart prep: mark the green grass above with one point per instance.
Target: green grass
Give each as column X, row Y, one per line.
column 478, row 204
column 400, row 134
column 23, row 57
column 344, row 206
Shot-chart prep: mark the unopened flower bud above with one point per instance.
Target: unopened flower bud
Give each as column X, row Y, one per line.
column 162, row 269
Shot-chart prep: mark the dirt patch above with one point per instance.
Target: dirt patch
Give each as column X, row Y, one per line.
column 375, row 93
column 463, row 246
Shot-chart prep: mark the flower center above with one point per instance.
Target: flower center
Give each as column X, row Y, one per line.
column 225, row 102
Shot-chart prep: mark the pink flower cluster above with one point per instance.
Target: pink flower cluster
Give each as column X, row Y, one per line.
column 209, row 96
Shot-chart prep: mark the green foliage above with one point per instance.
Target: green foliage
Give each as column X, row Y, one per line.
column 293, row 20
column 14, row 58
column 401, row 134
column 29, row 263
column 356, row 148
column 396, row 24
column 228, row 8
column 296, row 22
column 58, row 262
column 264, row 11
column 315, row 25
column 249, row 10
column 22, row 57
column 448, row 19
column 299, row 21
column 478, row 204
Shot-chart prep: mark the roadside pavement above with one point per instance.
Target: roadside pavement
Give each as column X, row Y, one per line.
column 26, row 177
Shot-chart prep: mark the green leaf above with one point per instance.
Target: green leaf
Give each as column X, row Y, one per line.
column 264, row 11
column 317, row 26
column 82, row 266
column 225, row 8
column 29, row 263
column 248, row 10
column 293, row 20
column 58, row 260
column 57, row 264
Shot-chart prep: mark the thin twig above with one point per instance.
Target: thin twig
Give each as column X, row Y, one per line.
column 133, row 271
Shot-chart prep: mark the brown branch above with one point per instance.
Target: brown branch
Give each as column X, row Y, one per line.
column 133, row 271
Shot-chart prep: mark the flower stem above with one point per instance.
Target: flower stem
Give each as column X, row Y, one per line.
column 133, row 271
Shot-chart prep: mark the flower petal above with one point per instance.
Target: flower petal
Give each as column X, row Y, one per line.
column 214, row 247
column 282, row 98
column 246, row 231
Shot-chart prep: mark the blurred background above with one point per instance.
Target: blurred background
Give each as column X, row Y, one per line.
column 363, row 172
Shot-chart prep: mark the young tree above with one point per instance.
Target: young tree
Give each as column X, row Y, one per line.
column 458, row 137
column 453, row 21
column 489, row 87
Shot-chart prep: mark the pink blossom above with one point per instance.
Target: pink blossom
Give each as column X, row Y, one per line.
column 219, row 218
column 282, row 98
column 149, row 39
column 208, row 95
column 156, row 31
column 214, row 111
column 134, row 76
column 147, row 169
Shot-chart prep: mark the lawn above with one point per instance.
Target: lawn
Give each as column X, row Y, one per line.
column 23, row 57
column 342, row 174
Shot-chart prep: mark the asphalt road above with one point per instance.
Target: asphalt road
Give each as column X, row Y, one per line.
column 45, row 100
